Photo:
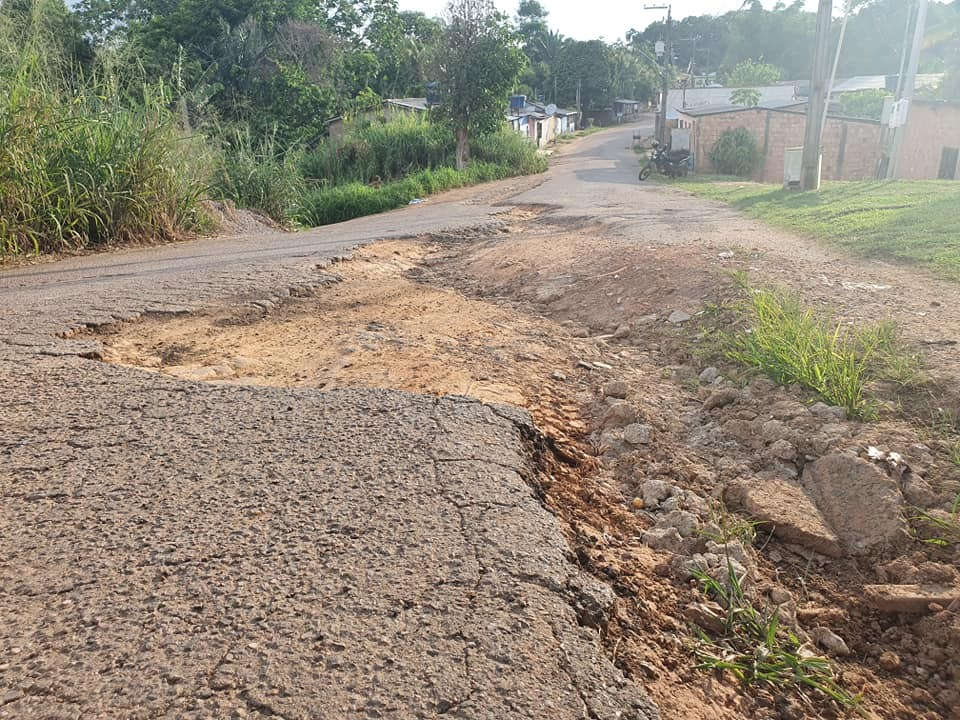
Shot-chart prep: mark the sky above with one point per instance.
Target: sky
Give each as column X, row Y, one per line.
column 609, row 19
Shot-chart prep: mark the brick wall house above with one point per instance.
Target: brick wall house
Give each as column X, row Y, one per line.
column 931, row 142
column 851, row 147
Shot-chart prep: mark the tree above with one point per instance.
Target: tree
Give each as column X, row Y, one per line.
column 477, row 63
column 752, row 73
column 747, row 97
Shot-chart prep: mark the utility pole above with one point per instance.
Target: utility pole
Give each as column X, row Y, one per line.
column 907, row 84
column 810, row 176
column 662, row 135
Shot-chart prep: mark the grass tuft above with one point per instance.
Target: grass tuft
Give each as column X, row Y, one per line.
column 792, row 343
column 757, row 650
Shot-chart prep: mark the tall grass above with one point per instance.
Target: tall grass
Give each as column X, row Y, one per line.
column 258, row 175
column 384, row 150
column 80, row 166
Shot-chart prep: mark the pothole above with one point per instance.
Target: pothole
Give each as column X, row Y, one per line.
column 394, row 321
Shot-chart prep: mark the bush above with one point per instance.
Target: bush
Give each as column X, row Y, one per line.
column 735, row 153
column 258, row 175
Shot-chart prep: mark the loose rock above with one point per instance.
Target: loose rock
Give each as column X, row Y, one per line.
column 619, row 415
column 616, row 389
column 830, row 641
column 678, row 316
column 721, row 398
column 858, row 501
column 790, row 513
column 636, row 434
column 915, row 599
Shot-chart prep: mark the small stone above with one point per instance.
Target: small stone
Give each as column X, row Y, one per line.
column 830, row 641
column 619, row 415
column 684, row 522
column 636, row 434
column 662, row 538
column 557, row 375
column 616, row 389
column 782, row 450
column 653, row 491
column 708, row 375
column 889, row 661
column 637, row 503
column 678, row 316
column 828, row 413
column 623, row 331
column 11, row 696
column 721, row 398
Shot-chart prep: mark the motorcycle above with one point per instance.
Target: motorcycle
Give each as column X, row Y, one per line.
column 672, row 163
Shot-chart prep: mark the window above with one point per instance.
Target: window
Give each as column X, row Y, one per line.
column 948, row 163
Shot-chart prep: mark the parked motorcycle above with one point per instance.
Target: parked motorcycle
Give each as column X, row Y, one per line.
column 672, row 163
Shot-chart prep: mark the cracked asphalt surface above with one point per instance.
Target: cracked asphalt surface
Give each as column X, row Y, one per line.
column 171, row 549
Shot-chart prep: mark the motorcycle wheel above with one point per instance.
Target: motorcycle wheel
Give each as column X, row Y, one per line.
column 645, row 173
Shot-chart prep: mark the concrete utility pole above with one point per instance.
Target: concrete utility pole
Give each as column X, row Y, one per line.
column 907, row 84
column 662, row 135
column 810, row 176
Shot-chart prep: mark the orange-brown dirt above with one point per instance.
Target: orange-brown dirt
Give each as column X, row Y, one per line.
column 528, row 316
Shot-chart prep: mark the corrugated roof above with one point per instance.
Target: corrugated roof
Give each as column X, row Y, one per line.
column 705, row 97
column 729, row 107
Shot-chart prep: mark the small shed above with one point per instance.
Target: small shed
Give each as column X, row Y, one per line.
column 626, row 110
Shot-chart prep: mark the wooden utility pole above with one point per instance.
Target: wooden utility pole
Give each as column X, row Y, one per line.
column 816, row 103
column 907, row 84
column 662, row 135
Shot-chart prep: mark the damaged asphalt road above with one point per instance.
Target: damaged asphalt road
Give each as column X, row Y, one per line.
column 175, row 549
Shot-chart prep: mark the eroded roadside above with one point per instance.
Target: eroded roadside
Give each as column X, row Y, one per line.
column 596, row 339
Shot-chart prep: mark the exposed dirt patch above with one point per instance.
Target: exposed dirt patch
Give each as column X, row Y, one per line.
column 572, row 323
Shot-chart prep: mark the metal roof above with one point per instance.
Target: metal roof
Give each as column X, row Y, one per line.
column 694, row 98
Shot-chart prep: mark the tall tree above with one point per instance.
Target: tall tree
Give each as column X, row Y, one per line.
column 478, row 62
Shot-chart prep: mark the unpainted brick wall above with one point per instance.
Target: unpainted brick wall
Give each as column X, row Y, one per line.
column 932, row 127
column 851, row 148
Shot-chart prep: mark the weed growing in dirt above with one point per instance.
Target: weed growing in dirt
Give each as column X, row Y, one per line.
column 793, row 343
column 940, row 529
column 730, row 527
column 757, row 650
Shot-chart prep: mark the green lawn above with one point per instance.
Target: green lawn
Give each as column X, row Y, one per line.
column 911, row 221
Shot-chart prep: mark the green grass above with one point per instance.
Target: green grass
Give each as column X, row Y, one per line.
column 324, row 206
column 793, row 343
column 910, row 221
column 757, row 650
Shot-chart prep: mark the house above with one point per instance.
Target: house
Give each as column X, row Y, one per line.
column 541, row 123
column 931, row 141
column 683, row 99
column 851, row 146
